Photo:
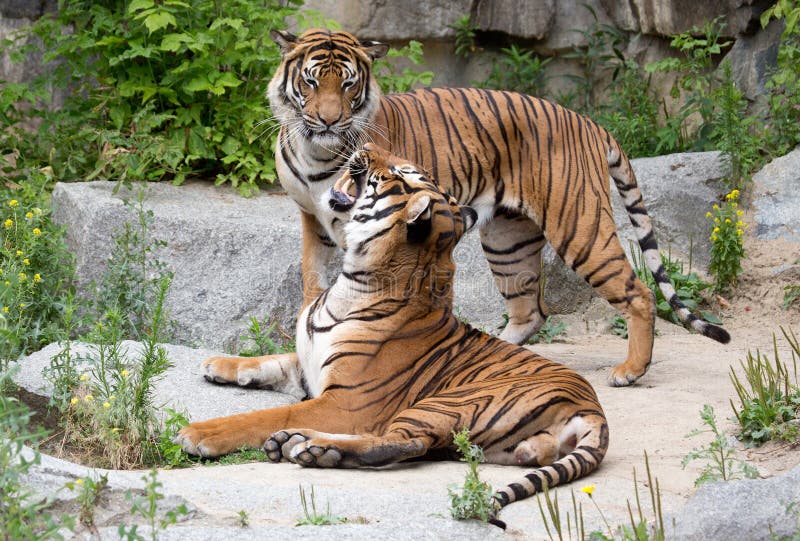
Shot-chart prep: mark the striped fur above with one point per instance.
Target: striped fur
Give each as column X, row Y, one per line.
column 534, row 171
column 390, row 370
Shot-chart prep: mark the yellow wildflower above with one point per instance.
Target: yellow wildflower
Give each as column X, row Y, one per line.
column 19, row 252
column 37, row 231
column 588, row 489
column 29, row 215
column 739, row 232
column 7, row 283
column 713, row 238
column 716, row 230
column 27, row 262
column 37, row 277
column 22, row 305
column 740, row 213
column 88, row 398
column 106, row 405
column 708, row 215
column 8, row 223
column 22, row 276
column 5, row 309
column 735, row 193
column 740, row 224
column 735, row 204
column 115, row 430
column 727, row 220
column 78, row 481
column 84, row 377
column 715, row 207
column 13, row 203
column 124, row 373
column 74, row 400
column 112, row 397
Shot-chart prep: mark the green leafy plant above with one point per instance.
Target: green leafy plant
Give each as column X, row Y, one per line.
column 473, row 500
column 518, row 70
column 263, row 339
column 88, row 491
column 599, row 52
column 133, row 278
column 792, row 293
column 727, row 244
column 572, row 526
column 732, row 130
column 243, row 518
column 312, row 517
column 392, row 79
column 698, row 47
column 783, row 125
column 179, row 92
column 112, row 412
column 769, row 401
column 465, row 36
column 146, row 506
column 549, row 331
column 718, row 455
column 619, row 327
column 35, row 271
column 23, row 515
column 170, row 452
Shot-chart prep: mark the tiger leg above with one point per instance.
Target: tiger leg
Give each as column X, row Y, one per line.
column 539, row 450
column 512, row 245
column 318, row 249
column 224, row 435
column 279, row 373
column 600, row 260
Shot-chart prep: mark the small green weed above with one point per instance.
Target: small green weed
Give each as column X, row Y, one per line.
column 518, row 70
column 312, row 517
column 727, row 244
column 718, row 455
column 88, row 491
column 242, row 456
column 263, row 339
column 146, row 506
column 769, row 402
column 792, row 293
column 243, row 518
column 474, row 499
column 619, row 326
column 22, row 514
column 572, row 526
column 172, row 453
column 550, row 330
column 465, row 36
column 392, row 80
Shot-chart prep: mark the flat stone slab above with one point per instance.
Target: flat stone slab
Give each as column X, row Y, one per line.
column 234, row 258
column 410, row 500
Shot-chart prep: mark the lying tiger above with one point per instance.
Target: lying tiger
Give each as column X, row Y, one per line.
column 391, row 371
column 532, row 170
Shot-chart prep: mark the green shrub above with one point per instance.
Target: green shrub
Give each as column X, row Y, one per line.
column 392, row 79
column 35, row 271
column 769, row 402
column 727, row 244
column 178, row 92
column 474, row 499
column 518, row 70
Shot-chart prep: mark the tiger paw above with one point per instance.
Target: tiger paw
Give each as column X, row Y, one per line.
column 280, row 444
column 316, row 453
column 625, row 374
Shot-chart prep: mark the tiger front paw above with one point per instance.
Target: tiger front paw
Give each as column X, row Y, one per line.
column 301, row 447
column 279, row 445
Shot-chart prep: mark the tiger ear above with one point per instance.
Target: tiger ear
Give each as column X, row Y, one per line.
column 285, row 40
column 374, row 49
column 470, row 217
column 418, row 219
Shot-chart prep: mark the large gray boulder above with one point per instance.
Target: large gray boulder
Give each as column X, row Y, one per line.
column 776, row 198
column 531, row 19
column 752, row 509
column 753, row 59
column 234, row 258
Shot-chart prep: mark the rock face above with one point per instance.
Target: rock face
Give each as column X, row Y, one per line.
column 524, row 19
column 776, row 198
column 753, row 509
column 753, row 58
column 234, row 258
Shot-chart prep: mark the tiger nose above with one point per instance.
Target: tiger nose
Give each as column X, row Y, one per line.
column 329, row 118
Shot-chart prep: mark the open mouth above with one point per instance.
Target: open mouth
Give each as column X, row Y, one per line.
column 345, row 191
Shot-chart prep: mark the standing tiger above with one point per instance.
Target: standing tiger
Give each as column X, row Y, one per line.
column 532, row 170
column 391, row 371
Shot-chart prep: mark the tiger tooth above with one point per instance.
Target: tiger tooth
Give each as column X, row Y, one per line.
column 346, row 187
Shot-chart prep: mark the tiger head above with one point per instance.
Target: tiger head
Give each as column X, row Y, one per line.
column 398, row 220
column 323, row 89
